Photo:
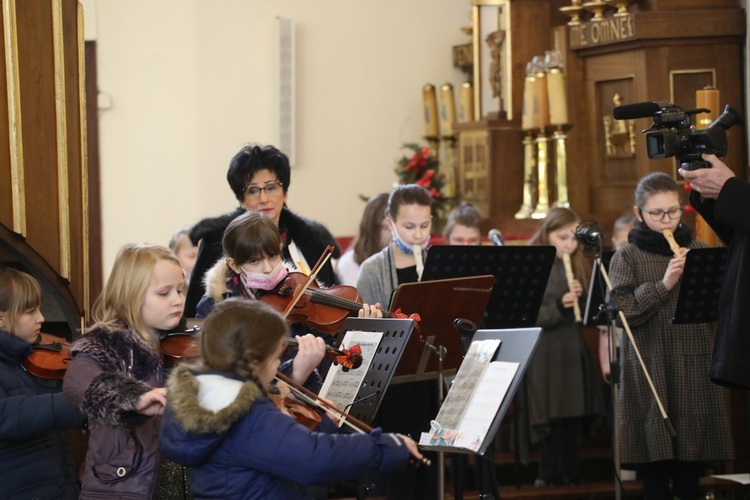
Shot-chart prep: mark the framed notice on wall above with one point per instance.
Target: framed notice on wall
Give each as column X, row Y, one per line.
column 492, row 62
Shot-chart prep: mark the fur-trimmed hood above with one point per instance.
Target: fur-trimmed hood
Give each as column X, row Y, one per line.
column 204, row 405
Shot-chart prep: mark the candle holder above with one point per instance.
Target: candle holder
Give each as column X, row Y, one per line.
column 529, row 178
column 621, row 5
column 542, row 205
column 597, row 7
column 561, row 166
column 574, row 12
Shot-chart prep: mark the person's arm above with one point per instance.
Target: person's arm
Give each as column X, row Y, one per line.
column 708, row 181
column 107, row 398
column 369, row 284
column 24, row 417
column 282, row 447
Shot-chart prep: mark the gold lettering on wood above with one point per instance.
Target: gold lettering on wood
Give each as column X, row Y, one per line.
column 603, row 31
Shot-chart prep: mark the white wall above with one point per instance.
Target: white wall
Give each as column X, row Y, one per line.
column 192, row 81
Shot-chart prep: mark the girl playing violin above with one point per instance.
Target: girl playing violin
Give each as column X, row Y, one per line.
column 561, row 381
column 236, row 442
column 645, row 276
column 409, row 217
column 116, row 376
column 35, row 458
column 253, row 266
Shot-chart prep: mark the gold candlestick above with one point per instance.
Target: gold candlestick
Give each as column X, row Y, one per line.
column 597, row 7
column 621, row 5
column 542, row 205
column 574, row 12
column 561, row 165
column 529, row 179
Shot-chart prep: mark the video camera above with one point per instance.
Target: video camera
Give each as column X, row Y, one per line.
column 681, row 141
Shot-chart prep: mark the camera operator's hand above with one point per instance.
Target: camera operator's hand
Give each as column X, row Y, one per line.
column 708, row 181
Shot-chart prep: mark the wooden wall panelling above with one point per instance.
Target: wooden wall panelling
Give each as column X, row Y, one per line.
column 36, row 68
column 50, row 140
column 6, row 192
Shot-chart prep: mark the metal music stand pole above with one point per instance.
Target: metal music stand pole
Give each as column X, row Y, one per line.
column 440, row 351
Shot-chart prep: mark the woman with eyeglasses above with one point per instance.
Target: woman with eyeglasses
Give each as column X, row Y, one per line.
column 645, row 275
column 259, row 177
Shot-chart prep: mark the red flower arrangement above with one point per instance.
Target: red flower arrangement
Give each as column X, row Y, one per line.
column 421, row 168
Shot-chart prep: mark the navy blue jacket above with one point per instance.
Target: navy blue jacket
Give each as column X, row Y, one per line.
column 240, row 446
column 35, row 459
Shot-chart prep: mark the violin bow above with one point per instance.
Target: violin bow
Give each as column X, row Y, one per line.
column 313, row 274
column 310, row 397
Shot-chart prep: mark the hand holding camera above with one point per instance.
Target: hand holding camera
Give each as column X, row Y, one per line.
column 681, row 140
column 708, row 182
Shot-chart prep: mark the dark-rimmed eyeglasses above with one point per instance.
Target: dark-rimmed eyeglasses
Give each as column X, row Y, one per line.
column 271, row 188
column 658, row 215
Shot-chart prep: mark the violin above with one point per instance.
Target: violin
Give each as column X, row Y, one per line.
column 286, row 402
column 357, row 425
column 50, row 358
column 177, row 347
column 323, row 309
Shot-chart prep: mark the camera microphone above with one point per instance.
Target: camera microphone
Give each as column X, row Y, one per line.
column 588, row 233
column 495, row 237
column 638, row 110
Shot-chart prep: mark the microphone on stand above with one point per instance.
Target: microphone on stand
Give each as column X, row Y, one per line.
column 588, row 233
column 496, row 237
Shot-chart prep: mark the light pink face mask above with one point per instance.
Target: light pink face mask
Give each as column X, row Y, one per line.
column 264, row 281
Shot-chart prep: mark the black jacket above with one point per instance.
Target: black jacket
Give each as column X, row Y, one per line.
column 311, row 237
column 729, row 216
column 35, row 459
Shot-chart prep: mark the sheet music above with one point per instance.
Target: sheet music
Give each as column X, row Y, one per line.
column 341, row 387
column 469, row 373
column 484, row 404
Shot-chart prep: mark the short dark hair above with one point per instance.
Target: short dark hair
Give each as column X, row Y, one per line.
column 655, row 182
column 251, row 236
column 407, row 194
column 252, row 159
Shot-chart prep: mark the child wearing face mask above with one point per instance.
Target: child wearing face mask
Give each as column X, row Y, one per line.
column 561, row 384
column 409, row 217
column 405, row 408
column 252, row 266
column 645, row 276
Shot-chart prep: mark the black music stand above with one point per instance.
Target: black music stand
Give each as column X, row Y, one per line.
column 448, row 300
column 517, row 345
column 700, row 286
column 521, row 274
column 598, row 299
column 396, row 333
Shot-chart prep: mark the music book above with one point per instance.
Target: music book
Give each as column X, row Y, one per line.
column 341, row 387
column 474, row 399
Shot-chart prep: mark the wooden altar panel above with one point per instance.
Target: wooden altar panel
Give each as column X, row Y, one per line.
column 43, row 205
